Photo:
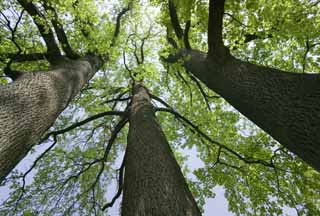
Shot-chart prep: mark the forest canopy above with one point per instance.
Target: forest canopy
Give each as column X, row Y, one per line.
column 78, row 165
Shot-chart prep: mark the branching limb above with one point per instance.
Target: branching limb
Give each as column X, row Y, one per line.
column 118, row 23
column 78, row 124
column 117, row 99
column 204, row 95
column 22, row 188
column 179, row 32
column 53, row 51
column 131, row 74
column 7, row 70
column 184, row 81
column 62, row 37
column 205, row 136
column 114, row 135
column 219, row 161
column 135, row 52
column 71, row 127
column 14, row 29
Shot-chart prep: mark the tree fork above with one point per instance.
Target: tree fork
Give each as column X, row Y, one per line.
column 153, row 182
column 284, row 104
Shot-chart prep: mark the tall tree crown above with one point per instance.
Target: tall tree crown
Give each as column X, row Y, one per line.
column 86, row 145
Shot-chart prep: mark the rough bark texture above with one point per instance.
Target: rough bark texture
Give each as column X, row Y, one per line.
column 31, row 104
column 153, row 184
column 285, row 105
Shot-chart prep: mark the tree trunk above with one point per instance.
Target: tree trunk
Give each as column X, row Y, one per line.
column 31, row 104
column 286, row 105
column 153, row 183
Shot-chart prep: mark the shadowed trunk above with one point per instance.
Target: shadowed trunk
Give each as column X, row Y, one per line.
column 31, row 104
column 286, row 105
column 153, row 183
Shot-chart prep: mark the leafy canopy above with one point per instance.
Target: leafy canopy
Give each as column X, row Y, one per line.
column 259, row 176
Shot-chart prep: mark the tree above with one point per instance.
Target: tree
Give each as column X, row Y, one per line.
column 31, row 104
column 151, row 167
column 285, row 105
column 88, row 149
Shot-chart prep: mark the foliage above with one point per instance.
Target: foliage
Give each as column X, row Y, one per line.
column 259, row 176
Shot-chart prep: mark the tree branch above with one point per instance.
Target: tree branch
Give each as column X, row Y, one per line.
column 53, row 51
column 114, row 135
column 175, row 20
column 131, row 74
column 171, row 41
column 78, row 124
column 118, row 23
column 25, row 57
column 7, row 70
column 205, row 136
column 62, row 37
column 120, row 186
column 186, row 35
column 215, row 43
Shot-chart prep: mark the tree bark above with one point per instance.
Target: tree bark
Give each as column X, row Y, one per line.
column 153, row 183
column 285, row 105
column 31, row 104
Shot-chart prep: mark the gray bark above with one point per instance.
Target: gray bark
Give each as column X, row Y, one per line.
column 285, row 105
column 31, row 104
column 153, row 183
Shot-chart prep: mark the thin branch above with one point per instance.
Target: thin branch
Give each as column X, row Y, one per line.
column 135, row 52
column 78, row 124
column 114, row 135
column 120, row 187
column 171, row 41
column 7, row 70
column 181, row 77
column 118, row 23
column 235, row 19
column 14, row 29
column 116, row 100
column 22, row 188
column 119, row 97
column 71, row 127
column 131, row 74
column 205, row 136
column 204, row 95
column 186, row 35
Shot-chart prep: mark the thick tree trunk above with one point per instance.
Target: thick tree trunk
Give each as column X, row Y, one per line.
column 153, row 184
column 31, row 104
column 285, row 105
